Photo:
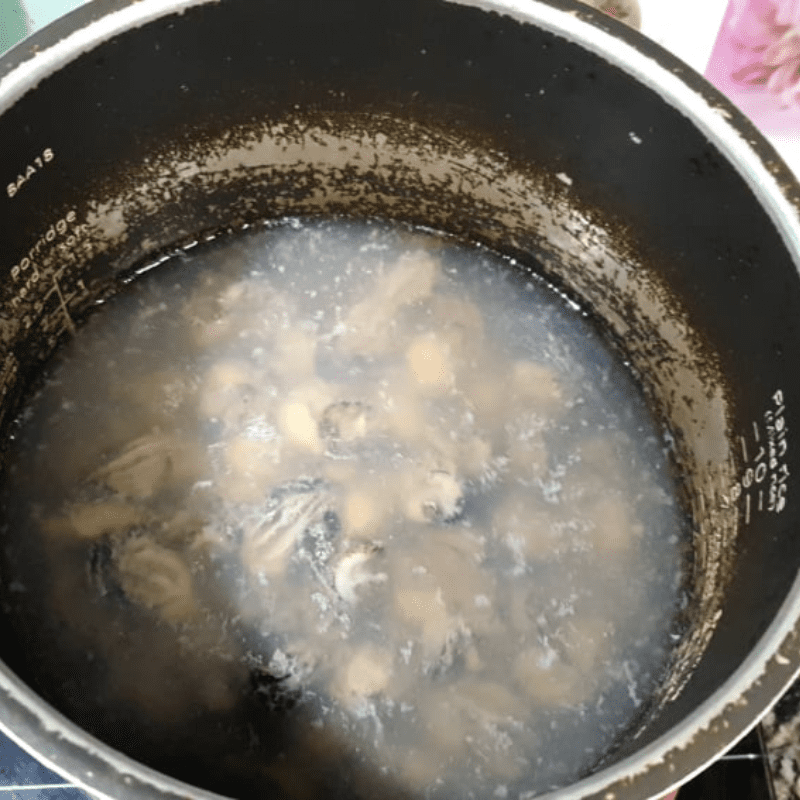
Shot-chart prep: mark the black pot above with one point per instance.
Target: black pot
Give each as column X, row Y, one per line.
column 545, row 130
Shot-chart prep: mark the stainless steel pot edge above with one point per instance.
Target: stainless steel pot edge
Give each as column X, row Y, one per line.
column 90, row 764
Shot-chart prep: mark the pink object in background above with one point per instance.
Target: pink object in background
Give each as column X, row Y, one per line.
column 766, row 34
column 670, row 796
column 756, row 61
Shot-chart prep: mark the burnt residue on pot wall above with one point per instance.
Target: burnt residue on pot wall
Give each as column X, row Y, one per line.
column 381, row 166
column 462, row 121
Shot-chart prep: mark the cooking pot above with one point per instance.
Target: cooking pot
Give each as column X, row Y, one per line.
column 545, row 130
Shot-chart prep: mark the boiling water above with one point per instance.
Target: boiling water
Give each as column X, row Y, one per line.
column 392, row 487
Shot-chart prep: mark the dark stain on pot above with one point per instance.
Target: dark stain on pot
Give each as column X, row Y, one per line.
column 427, row 178
column 706, row 164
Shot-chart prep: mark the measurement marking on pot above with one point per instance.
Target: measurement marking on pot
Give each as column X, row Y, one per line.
column 49, row 321
column 30, row 275
column 63, row 304
column 64, row 232
column 47, row 155
column 8, row 373
column 767, row 468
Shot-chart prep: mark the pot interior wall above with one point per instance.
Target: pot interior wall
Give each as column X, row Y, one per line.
column 466, row 122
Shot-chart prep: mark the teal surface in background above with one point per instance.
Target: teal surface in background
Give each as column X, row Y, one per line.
column 42, row 12
column 20, row 17
column 13, row 23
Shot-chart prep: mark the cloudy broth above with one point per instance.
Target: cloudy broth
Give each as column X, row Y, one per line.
column 388, row 484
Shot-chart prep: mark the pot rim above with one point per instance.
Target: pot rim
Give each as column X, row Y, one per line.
column 772, row 664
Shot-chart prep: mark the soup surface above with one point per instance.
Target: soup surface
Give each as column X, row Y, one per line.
column 392, row 494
